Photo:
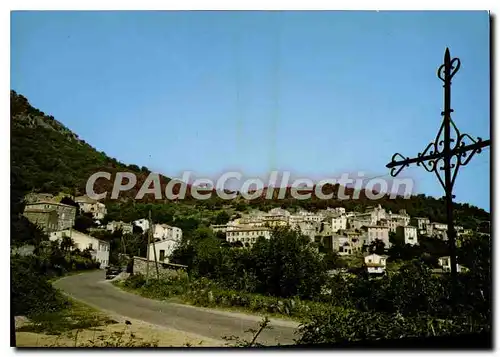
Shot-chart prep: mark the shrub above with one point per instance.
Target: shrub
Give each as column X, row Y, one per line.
column 340, row 325
column 135, row 281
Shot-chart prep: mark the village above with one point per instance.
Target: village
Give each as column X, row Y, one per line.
column 346, row 233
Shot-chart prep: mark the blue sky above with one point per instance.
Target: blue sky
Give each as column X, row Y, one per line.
column 317, row 93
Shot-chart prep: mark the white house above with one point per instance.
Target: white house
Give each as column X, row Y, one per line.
column 375, row 264
column 99, row 248
column 143, row 223
column 377, row 232
column 408, row 233
column 339, row 222
column 164, row 249
column 166, row 232
column 247, row 235
column 167, row 239
column 445, row 264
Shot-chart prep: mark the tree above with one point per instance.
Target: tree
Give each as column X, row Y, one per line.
column 83, row 222
column 69, row 201
column 67, row 243
column 276, row 265
column 377, row 247
column 222, row 218
column 333, row 260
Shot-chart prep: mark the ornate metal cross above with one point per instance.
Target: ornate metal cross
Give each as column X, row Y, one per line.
column 447, row 153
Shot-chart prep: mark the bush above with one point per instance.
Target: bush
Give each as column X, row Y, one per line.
column 31, row 293
column 135, row 281
column 339, row 325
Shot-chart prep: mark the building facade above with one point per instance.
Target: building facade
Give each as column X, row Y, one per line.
column 247, row 235
column 375, row 264
column 40, row 213
column 99, row 249
column 88, row 205
column 126, row 228
column 377, row 232
column 408, row 234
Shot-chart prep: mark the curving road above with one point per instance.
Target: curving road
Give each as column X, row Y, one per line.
column 93, row 289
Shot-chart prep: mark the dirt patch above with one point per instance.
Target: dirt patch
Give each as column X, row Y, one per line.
column 135, row 333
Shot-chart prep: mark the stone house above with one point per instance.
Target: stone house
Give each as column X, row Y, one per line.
column 41, row 213
column 45, row 219
column 126, row 228
column 88, row 205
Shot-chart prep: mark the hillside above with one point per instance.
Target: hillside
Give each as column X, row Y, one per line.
column 48, row 157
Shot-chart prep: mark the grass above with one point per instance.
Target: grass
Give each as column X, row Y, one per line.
column 186, row 297
column 75, row 316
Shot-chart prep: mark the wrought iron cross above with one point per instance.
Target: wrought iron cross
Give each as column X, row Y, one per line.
column 447, row 153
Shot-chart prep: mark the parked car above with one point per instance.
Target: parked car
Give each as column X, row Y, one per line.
column 113, row 272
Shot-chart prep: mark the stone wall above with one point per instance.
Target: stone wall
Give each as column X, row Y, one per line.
column 165, row 269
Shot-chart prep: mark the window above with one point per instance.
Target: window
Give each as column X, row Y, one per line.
column 162, row 255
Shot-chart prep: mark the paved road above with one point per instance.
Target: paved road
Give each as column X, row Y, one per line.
column 93, row 289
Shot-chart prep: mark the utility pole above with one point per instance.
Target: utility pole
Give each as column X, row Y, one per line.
column 150, row 238
column 154, row 247
column 440, row 153
column 147, row 251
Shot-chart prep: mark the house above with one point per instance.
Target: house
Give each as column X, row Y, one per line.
column 88, row 205
column 166, row 232
column 339, row 222
column 445, row 264
column 99, row 249
column 342, row 245
column 126, row 228
column 41, row 213
column 219, row 228
column 421, row 223
column 408, row 234
column 438, row 230
column 45, row 219
column 309, row 216
column 360, row 220
column 34, row 197
column 164, row 249
column 308, row 228
column 143, row 223
column 375, row 264
column 376, row 213
column 247, row 235
column 377, row 232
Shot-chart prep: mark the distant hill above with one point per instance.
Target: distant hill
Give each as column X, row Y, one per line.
column 48, row 157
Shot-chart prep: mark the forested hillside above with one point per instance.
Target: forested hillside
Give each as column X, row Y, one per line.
column 48, row 157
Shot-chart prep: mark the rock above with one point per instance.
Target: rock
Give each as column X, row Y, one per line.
column 21, row 321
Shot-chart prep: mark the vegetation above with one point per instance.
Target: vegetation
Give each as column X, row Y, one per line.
column 411, row 301
column 285, row 275
column 31, row 291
